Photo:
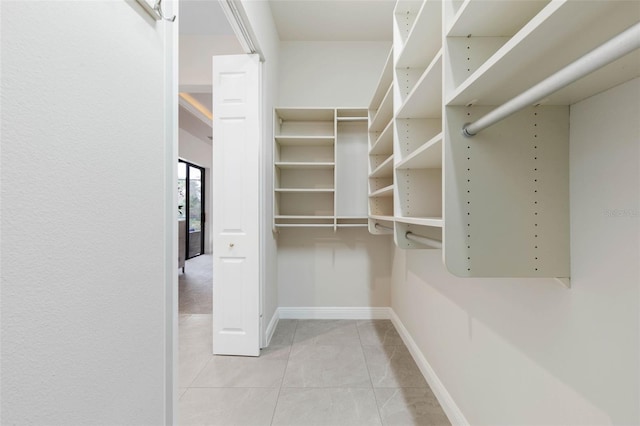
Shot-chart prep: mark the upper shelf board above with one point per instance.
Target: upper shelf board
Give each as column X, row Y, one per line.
column 384, row 170
column 425, row 100
column 383, row 83
column 547, row 44
column 384, row 112
column 428, row 156
column 482, row 18
column 424, row 39
column 305, row 114
column 305, row 140
column 299, row 165
column 384, row 144
column 387, row 191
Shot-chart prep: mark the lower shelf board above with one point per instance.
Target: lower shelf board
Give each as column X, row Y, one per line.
column 300, row 221
column 304, row 225
column 387, row 191
column 437, row 222
column 384, row 218
column 304, row 190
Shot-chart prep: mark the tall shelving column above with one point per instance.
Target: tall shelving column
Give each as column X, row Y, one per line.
column 381, row 153
column 351, row 168
column 418, row 121
column 304, row 167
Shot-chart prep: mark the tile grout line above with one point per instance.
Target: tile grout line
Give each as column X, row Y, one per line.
column 284, row 374
column 375, row 398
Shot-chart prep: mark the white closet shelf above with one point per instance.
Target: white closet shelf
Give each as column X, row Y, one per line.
column 352, row 221
column 548, row 43
column 352, row 119
column 383, row 218
column 351, row 113
column 493, row 18
column 385, row 169
column 305, row 114
column 423, row 40
column 405, row 14
column 428, row 156
column 425, row 100
column 304, row 190
column 384, row 144
column 387, row 191
column 306, row 140
column 384, row 114
column 304, row 225
column 383, row 83
column 436, row 222
column 303, row 217
column 305, row 165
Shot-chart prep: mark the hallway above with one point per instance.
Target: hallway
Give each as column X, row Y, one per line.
column 315, row 372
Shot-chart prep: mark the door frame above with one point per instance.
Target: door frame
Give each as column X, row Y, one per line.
column 171, row 131
column 187, row 209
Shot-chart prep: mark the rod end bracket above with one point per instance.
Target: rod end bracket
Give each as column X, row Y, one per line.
column 466, row 132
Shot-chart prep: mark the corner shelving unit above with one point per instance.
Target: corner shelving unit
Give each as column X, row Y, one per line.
column 380, row 168
column 316, row 165
column 498, row 201
column 351, row 168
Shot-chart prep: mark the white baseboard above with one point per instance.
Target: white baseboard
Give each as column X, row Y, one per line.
column 361, row 313
column 449, row 406
column 271, row 327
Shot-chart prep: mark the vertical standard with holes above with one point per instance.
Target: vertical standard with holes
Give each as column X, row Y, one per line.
column 511, row 215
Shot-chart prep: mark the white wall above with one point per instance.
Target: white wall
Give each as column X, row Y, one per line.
column 196, row 52
column 84, row 224
column 194, row 149
column 199, row 152
column 320, row 268
column 527, row 351
column 330, row 74
column 258, row 14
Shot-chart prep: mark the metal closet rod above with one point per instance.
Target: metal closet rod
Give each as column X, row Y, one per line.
column 620, row 45
column 382, row 227
column 430, row 242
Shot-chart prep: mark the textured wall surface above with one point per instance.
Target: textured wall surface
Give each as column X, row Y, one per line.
column 83, row 225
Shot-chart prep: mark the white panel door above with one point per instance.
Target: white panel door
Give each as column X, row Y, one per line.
column 235, row 188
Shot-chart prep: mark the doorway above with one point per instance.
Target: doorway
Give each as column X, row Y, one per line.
column 191, row 202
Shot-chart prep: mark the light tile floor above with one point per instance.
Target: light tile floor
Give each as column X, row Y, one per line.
column 195, row 286
column 315, row 372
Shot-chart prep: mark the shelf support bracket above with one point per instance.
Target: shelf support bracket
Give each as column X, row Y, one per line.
column 565, row 282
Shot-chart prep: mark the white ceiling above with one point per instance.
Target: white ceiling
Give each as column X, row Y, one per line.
column 203, row 17
column 333, row 20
